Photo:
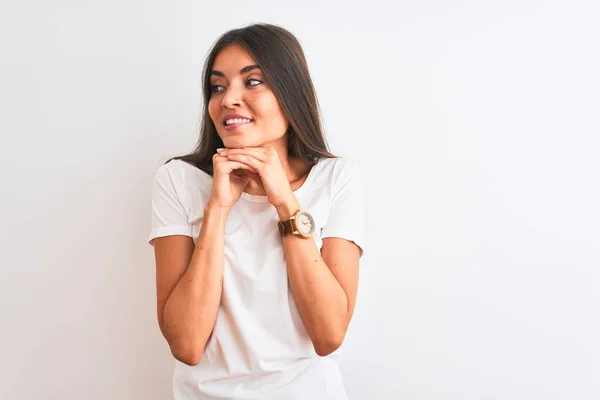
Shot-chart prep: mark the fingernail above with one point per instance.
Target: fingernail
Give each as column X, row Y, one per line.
column 220, row 150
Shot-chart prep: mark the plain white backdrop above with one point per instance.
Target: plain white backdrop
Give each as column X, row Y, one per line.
column 476, row 123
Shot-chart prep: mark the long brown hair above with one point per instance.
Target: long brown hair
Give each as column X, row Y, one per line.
column 280, row 56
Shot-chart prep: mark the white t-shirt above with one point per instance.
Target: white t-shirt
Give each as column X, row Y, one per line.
column 259, row 348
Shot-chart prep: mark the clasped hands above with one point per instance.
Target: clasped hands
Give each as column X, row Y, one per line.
column 265, row 161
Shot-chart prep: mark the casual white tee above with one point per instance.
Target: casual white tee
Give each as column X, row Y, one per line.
column 259, row 348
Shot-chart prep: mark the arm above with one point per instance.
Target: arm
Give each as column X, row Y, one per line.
column 189, row 284
column 324, row 284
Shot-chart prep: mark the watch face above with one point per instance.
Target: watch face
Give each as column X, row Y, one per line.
column 305, row 223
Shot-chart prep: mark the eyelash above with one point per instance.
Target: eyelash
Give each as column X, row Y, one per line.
column 213, row 87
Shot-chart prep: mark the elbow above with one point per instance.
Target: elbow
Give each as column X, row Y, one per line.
column 190, row 355
column 328, row 344
column 187, row 349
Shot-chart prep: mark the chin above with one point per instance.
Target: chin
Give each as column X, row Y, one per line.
column 241, row 141
column 236, row 143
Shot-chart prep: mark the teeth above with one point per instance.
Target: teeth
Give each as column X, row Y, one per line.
column 237, row 121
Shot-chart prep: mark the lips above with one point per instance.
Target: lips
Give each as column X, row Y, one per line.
column 235, row 116
column 235, row 126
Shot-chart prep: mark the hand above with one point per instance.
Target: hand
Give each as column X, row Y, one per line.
column 230, row 178
column 265, row 162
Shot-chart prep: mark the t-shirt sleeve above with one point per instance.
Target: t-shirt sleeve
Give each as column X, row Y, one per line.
column 347, row 210
column 168, row 216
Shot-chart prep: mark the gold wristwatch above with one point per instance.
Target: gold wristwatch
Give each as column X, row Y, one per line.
column 300, row 224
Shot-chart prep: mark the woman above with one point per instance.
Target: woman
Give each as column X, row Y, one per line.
column 258, row 233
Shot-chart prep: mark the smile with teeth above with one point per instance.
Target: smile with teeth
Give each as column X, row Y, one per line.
column 237, row 121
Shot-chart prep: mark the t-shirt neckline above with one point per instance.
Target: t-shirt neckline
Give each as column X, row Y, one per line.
column 257, row 198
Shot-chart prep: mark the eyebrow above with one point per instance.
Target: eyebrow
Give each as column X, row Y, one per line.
column 242, row 71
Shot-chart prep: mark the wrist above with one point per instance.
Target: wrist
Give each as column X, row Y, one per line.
column 216, row 210
column 288, row 208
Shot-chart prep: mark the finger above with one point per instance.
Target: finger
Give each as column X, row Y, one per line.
column 240, row 165
column 228, row 166
column 218, row 160
column 226, row 151
column 252, row 161
column 258, row 153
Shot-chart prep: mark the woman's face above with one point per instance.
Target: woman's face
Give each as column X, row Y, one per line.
column 242, row 105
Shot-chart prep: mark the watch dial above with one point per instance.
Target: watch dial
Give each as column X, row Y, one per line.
column 305, row 223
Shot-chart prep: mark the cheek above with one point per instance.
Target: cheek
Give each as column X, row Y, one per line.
column 213, row 109
column 266, row 106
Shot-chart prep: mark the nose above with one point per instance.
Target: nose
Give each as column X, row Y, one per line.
column 232, row 97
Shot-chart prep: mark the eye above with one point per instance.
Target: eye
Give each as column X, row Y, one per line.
column 215, row 88
column 253, row 80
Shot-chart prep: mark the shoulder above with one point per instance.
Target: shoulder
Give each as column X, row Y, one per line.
column 339, row 169
column 178, row 166
column 180, row 172
column 184, row 181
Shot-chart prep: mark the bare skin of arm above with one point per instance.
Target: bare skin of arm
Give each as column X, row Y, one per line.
column 189, row 282
column 324, row 284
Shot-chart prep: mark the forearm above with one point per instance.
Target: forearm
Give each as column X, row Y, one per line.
column 319, row 297
column 191, row 310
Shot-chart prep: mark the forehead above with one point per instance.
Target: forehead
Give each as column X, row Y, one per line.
column 232, row 59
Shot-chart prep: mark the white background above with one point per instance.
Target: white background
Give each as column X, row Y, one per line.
column 476, row 123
